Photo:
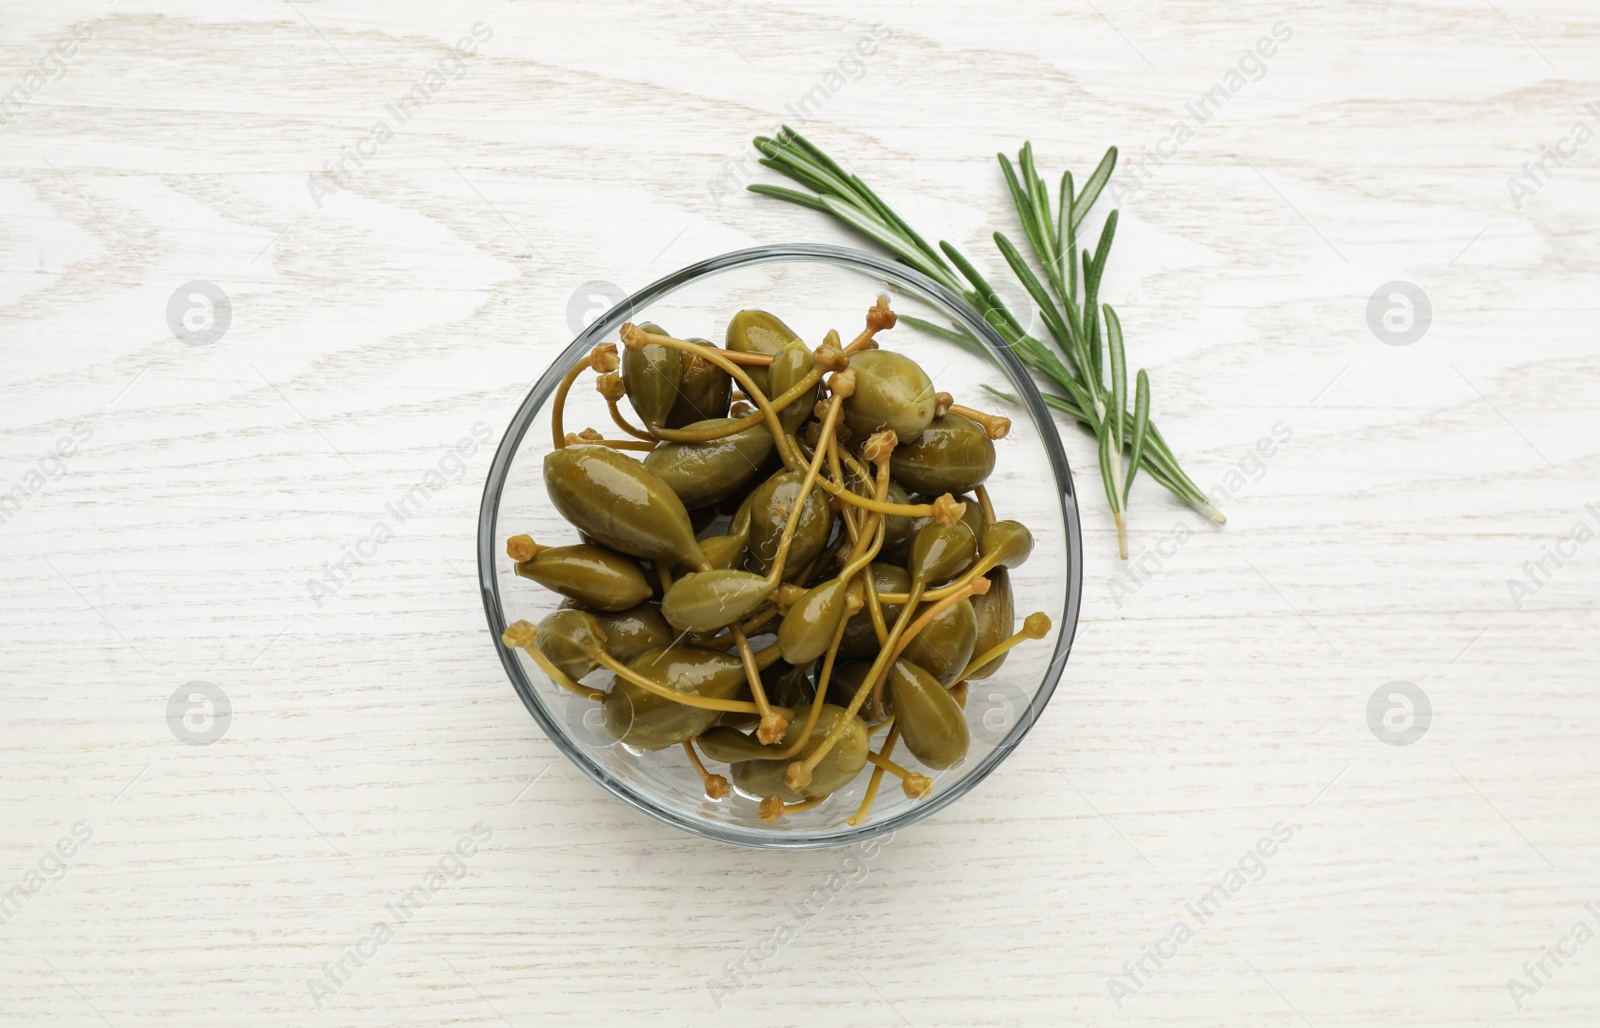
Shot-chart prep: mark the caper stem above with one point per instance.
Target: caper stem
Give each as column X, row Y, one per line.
column 716, row 786
column 913, row 510
column 844, row 384
column 635, row 338
column 773, row 809
column 974, row 586
column 915, row 785
column 876, row 779
column 760, row 360
column 1034, row 626
column 772, row 725
column 985, row 505
column 801, row 770
column 559, row 405
column 983, row 566
column 879, row 318
column 821, row 697
column 688, row 699
column 995, row 426
column 520, row 635
column 751, row 420
column 575, row 439
column 622, row 423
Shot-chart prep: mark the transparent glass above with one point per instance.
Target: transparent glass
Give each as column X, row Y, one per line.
column 812, row 288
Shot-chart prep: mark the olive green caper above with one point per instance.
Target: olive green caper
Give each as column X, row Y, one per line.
column 931, row 722
column 650, row 376
column 945, row 645
column 703, row 473
column 808, row 628
column 703, row 390
column 1006, row 543
column 787, row 685
column 997, row 619
column 896, row 527
column 941, row 552
column 789, row 366
column 769, row 507
column 752, row 331
column 892, row 391
column 648, row 721
column 841, row 763
column 705, row 601
column 629, row 632
column 730, row 746
column 953, row 454
column 570, row 638
column 593, row 575
column 617, row 501
column 860, row 637
column 846, row 682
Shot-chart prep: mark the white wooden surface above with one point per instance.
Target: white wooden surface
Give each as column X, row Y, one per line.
column 583, row 142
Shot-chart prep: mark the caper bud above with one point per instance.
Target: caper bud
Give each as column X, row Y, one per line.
column 996, row 620
column 593, row 575
column 570, row 638
column 752, row 331
column 703, row 473
column 703, row 390
column 651, row 375
column 647, row 721
column 708, row 600
column 941, row 552
column 769, row 508
column 931, row 722
column 617, row 501
column 892, row 391
column 953, row 454
column 945, row 644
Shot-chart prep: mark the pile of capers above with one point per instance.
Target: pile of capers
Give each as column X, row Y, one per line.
column 805, row 557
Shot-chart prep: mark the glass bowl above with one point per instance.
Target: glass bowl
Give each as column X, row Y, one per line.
column 812, row 288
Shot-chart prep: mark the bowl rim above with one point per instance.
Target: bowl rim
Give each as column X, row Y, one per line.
column 951, row 305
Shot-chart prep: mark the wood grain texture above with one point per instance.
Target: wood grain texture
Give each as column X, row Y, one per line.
column 584, row 142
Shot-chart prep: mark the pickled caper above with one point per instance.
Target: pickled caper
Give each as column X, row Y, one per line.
column 703, row 473
column 596, row 577
column 860, row 637
column 616, row 500
column 951, row 455
column 649, row 721
column 944, row 647
column 769, row 508
column 752, row 331
column 843, row 761
column 703, row 390
column 891, row 392
column 650, row 376
column 931, row 722
column 996, row 617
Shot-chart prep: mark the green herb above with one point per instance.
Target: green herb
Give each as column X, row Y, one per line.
column 1087, row 333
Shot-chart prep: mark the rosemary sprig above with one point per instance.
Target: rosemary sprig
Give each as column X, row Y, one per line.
column 1067, row 300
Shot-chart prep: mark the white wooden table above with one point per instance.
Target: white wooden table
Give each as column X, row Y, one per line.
column 384, row 312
